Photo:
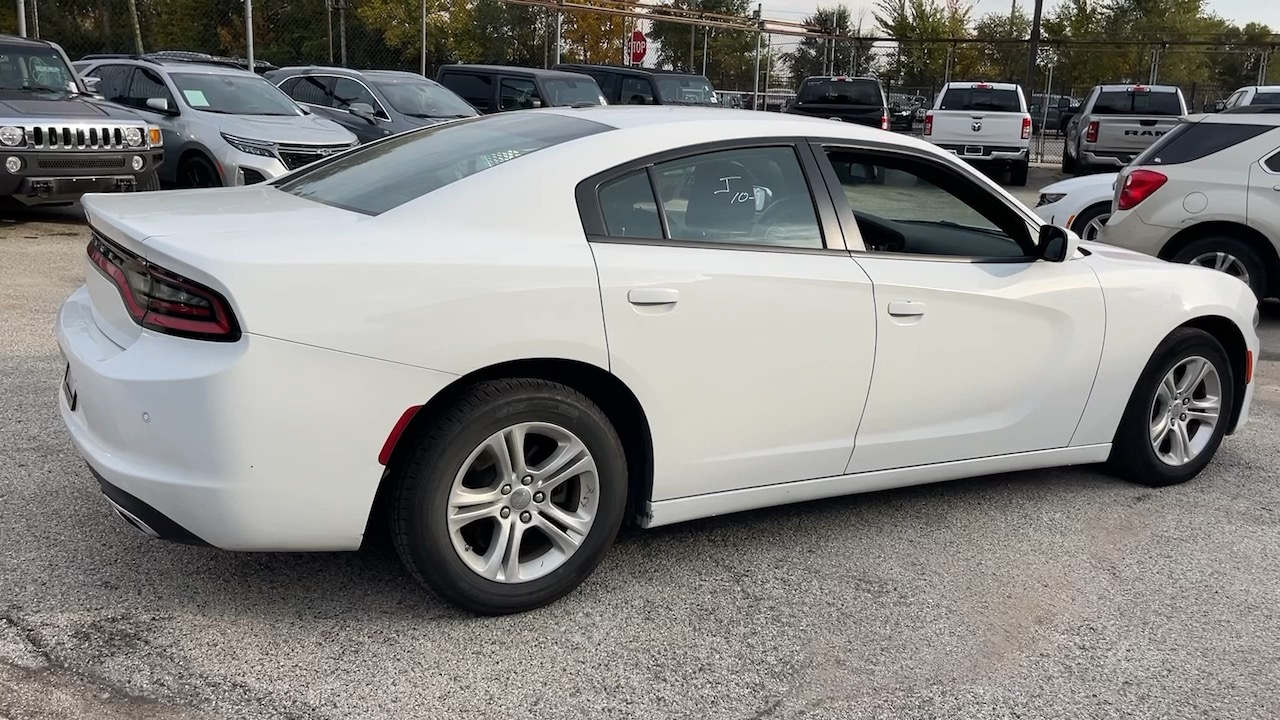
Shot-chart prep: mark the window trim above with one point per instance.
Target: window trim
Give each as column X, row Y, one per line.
column 378, row 110
column 304, row 76
column 590, row 212
column 1265, row 158
column 849, row 223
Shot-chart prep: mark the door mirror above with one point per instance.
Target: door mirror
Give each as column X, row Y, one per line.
column 1218, row 106
column 159, row 105
column 364, row 111
column 1057, row 243
column 90, row 84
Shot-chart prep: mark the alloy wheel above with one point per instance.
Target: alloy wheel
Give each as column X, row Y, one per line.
column 1094, row 228
column 1186, row 409
column 1223, row 262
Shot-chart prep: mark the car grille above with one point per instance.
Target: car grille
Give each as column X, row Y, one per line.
column 295, row 156
column 76, row 137
column 102, row 162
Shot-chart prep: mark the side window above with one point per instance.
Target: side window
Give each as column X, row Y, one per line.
column 146, row 84
column 348, row 92
column 1273, row 163
column 475, row 89
column 1237, row 98
column 629, row 208
column 636, row 91
column 905, row 205
column 309, row 89
column 518, row 94
column 113, row 81
column 751, row 196
column 608, row 83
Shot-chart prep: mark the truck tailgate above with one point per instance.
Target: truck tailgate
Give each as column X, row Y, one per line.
column 976, row 127
column 1131, row 133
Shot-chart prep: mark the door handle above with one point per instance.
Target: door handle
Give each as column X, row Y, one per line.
column 906, row 308
column 653, row 296
column 1276, row 188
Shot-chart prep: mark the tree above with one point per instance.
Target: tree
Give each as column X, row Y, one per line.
column 595, row 38
column 730, row 53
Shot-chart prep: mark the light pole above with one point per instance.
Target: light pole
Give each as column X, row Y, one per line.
column 248, row 32
column 1033, row 48
column 22, row 18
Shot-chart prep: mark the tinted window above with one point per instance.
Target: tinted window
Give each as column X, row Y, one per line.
column 308, row 89
column 1266, row 98
column 753, row 196
column 113, row 81
column 348, row 92
column 988, row 99
column 567, row 93
column 518, row 94
column 475, row 89
column 233, row 94
column 629, row 207
column 685, row 90
column 387, row 174
column 608, row 83
column 424, row 99
column 636, row 91
column 1126, row 102
column 1273, row 163
column 145, row 84
column 1192, row 141
column 840, row 92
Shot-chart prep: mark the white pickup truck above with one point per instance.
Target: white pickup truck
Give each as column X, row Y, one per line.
column 987, row 124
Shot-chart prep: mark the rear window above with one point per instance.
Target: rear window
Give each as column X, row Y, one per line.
column 988, row 99
column 1128, row 102
column 841, row 92
column 1192, row 141
column 685, row 90
column 1266, row 98
column 572, row 92
column 384, row 175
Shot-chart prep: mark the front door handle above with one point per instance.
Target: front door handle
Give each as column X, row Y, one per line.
column 653, row 296
column 906, row 308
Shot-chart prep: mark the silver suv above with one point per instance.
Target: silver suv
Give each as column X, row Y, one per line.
column 1206, row 194
column 221, row 125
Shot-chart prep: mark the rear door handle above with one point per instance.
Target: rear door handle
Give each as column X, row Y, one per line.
column 906, row 308
column 653, row 296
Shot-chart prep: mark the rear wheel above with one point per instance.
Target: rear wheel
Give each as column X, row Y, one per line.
column 1089, row 223
column 511, row 499
column 1178, row 412
column 1229, row 255
column 197, row 172
column 1018, row 173
column 1068, row 162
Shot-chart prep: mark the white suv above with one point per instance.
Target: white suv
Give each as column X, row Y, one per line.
column 1207, row 193
column 987, row 124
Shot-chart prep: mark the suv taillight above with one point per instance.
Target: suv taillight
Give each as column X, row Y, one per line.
column 1026, row 128
column 1091, row 134
column 1139, row 186
column 928, row 123
column 163, row 301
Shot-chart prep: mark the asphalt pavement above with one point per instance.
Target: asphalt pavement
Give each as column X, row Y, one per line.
column 1054, row 594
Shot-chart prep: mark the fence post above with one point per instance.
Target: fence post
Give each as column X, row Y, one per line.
column 755, row 93
column 422, row 69
column 22, row 18
column 558, row 19
column 248, row 31
column 342, row 30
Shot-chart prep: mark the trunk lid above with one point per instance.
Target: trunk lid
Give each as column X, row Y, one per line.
column 1131, row 133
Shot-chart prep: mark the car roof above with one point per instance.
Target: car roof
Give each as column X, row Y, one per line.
column 18, row 40
column 511, row 70
column 624, row 70
column 1111, row 87
column 1262, row 88
column 186, row 66
column 1244, row 115
column 842, row 78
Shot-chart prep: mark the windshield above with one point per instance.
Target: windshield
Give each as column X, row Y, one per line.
column 840, row 92
column 389, row 173
column 1266, row 98
column 988, row 99
column 233, row 94
column 1127, row 102
column 686, row 90
column 418, row 98
column 563, row 92
column 33, row 68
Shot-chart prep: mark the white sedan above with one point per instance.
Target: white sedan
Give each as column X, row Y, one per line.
column 1082, row 204
column 504, row 337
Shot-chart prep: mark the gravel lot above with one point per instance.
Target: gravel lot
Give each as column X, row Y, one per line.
column 1056, row 594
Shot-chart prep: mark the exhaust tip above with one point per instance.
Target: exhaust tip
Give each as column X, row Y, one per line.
column 132, row 519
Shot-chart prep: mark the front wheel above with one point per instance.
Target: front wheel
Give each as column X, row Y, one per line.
column 1089, row 223
column 1018, row 173
column 1178, row 412
column 198, row 172
column 511, row 499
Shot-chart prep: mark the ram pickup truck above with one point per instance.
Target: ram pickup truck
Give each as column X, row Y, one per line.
column 986, row 124
column 1116, row 123
column 57, row 142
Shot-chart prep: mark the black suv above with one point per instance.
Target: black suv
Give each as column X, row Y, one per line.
column 638, row 86
column 56, row 141
column 501, row 88
column 857, row 100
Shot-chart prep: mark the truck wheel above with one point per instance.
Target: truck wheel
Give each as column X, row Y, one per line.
column 1068, row 162
column 149, row 182
column 1018, row 173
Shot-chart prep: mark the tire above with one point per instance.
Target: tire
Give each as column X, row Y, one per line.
column 197, row 172
column 1068, row 162
column 1133, row 454
column 424, row 537
column 1018, row 173
column 149, row 182
column 1097, row 212
column 1231, row 255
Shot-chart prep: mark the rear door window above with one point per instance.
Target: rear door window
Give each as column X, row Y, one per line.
column 988, row 99
column 840, row 92
column 1266, row 98
column 637, row 91
column 310, row 89
column 1130, row 102
column 475, row 89
column 1191, row 141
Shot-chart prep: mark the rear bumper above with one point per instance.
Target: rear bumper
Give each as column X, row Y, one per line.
column 261, row 444
column 988, row 154
column 1091, row 157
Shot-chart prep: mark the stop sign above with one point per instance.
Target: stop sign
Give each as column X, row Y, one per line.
column 637, row 47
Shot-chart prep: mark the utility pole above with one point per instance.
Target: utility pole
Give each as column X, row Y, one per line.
column 35, row 18
column 248, row 32
column 755, row 95
column 706, row 34
column 422, row 70
column 342, row 30
column 559, row 18
column 328, row 12
column 22, row 18
column 1033, row 48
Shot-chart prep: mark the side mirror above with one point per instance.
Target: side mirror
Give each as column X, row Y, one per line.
column 159, row 104
column 364, row 111
column 1219, row 106
column 91, row 84
column 1057, row 244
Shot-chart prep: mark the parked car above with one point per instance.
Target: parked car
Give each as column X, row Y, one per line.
column 507, row 384
column 1082, row 204
column 857, row 100
column 57, row 142
column 1252, row 95
column 1205, row 194
column 987, row 124
column 222, row 126
column 502, row 88
column 1048, row 111
column 259, row 66
column 1116, row 123
column 371, row 103
column 646, row 86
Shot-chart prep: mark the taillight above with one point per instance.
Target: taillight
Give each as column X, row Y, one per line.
column 1026, row 128
column 1091, row 134
column 884, row 122
column 928, row 123
column 163, row 301
column 1139, row 186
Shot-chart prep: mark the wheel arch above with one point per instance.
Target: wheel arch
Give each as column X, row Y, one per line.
column 1232, row 339
column 614, row 398
column 1256, row 240
column 194, row 151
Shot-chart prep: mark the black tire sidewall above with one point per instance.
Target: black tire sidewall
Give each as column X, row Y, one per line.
column 426, row 504
column 1240, row 249
column 198, row 160
column 1088, row 215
